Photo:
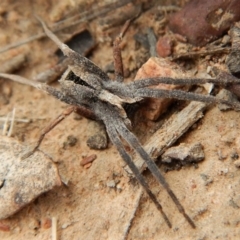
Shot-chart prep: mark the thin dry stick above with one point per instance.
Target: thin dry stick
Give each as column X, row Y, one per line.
column 192, row 54
column 20, row 120
column 22, row 80
column 135, row 208
column 84, row 17
column 47, row 129
column 13, row 63
column 5, row 125
column 170, row 132
column 95, row 12
column 12, row 123
column 51, row 74
column 54, row 228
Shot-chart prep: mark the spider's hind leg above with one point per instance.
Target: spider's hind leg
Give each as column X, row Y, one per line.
column 134, row 143
column 118, row 128
column 113, row 135
column 182, row 95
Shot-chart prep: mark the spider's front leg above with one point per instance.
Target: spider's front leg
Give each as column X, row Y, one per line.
column 141, row 90
column 84, row 65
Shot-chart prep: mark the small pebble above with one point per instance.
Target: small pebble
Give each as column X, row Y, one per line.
column 88, row 165
column 97, row 141
column 234, row 155
column 87, row 160
column 207, row 179
column 233, row 204
column 71, row 141
column 237, row 163
column 164, row 46
column 226, row 39
column 158, row 67
column 211, row 19
column 226, row 95
column 184, row 152
column 4, row 227
column 221, row 154
column 65, row 225
column 111, row 184
column 46, row 223
column 34, row 224
column 223, row 171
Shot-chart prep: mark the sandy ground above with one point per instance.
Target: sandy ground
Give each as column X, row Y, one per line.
column 100, row 202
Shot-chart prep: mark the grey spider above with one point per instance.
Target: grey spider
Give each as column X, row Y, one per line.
column 92, row 93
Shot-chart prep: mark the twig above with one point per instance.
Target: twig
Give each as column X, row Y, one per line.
column 12, row 123
column 93, row 13
column 13, row 64
column 7, row 131
column 51, row 74
column 135, row 208
column 202, row 53
column 170, row 132
column 84, row 17
column 5, row 125
column 54, row 228
column 21, row 120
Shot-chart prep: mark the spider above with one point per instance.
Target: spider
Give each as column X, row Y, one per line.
column 92, row 93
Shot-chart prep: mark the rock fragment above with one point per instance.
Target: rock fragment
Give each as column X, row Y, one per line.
column 226, row 95
column 204, row 21
column 185, row 153
column 158, row 67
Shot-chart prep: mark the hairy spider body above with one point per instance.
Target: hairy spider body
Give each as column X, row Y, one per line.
column 87, row 88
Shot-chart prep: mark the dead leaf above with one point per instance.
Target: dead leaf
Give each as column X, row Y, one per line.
column 21, row 181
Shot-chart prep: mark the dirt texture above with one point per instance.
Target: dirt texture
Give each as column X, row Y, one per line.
column 99, row 200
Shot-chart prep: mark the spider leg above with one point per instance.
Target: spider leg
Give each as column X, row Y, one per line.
column 113, row 135
column 59, row 95
column 134, row 143
column 116, row 128
column 223, row 78
column 85, row 66
column 182, row 95
column 44, row 87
